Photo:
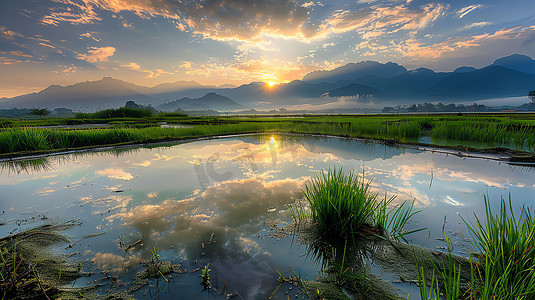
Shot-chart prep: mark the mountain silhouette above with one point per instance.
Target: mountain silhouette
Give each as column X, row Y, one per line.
column 517, row 62
column 509, row 76
column 355, row 70
column 86, row 96
column 210, row 101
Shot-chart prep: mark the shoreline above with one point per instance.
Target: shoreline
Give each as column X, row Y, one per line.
column 513, row 157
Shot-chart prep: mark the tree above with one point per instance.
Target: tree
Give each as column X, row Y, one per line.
column 531, row 95
column 40, row 112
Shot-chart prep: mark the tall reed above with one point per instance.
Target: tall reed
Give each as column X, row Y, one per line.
column 506, row 244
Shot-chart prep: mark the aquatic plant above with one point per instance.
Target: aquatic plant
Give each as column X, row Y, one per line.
column 505, row 268
column 341, row 205
column 393, row 221
column 28, row 270
column 205, row 276
column 507, row 254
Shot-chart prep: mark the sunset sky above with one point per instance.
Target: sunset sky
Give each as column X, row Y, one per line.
column 148, row 42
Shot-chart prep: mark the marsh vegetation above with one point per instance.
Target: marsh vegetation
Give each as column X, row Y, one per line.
column 513, row 132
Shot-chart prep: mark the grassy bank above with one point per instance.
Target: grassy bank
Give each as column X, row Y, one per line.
column 30, row 139
column 514, row 131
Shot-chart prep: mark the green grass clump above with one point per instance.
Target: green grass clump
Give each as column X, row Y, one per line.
column 506, row 244
column 341, row 205
column 505, row 268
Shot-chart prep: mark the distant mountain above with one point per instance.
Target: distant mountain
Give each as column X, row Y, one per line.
column 517, row 62
column 210, row 101
column 355, row 89
column 485, row 83
column 464, row 69
column 85, row 96
column 510, row 76
column 173, row 87
column 353, row 71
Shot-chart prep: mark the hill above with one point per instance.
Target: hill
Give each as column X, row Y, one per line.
column 85, row 96
column 210, row 101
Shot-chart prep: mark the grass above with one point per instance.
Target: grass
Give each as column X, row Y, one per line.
column 511, row 131
column 342, row 206
column 505, row 268
column 506, row 244
column 36, row 139
column 495, row 134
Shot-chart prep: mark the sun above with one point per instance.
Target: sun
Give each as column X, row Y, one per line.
column 271, row 83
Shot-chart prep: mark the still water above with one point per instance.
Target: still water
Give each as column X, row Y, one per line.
column 207, row 202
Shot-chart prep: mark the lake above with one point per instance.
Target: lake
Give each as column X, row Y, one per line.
column 207, row 202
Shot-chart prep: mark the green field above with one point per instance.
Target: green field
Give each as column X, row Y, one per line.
column 511, row 131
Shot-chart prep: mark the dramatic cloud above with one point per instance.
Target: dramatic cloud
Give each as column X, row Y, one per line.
column 254, row 20
column 415, row 48
column 97, row 54
column 240, row 41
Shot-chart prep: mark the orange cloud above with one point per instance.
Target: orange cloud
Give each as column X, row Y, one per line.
column 115, row 174
column 7, row 34
column 155, row 73
column 98, row 54
column 414, row 48
column 256, row 70
column 131, row 66
column 76, row 13
column 19, row 53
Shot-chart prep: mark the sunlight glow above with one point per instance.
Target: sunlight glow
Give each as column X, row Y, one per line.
column 271, row 83
column 272, row 144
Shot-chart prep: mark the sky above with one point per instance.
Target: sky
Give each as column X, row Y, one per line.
column 148, row 42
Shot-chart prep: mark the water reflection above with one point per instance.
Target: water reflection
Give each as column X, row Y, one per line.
column 29, row 166
column 207, row 202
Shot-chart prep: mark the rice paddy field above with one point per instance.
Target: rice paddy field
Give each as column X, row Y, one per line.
column 511, row 131
column 289, row 207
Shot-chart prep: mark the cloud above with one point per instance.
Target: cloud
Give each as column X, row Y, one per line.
column 477, row 25
column 155, row 73
column 131, row 66
column 74, row 13
column 253, row 69
column 20, row 53
column 115, row 174
column 90, row 35
column 47, row 45
column 468, row 9
column 7, row 34
column 97, row 54
column 415, row 48
column 256, row 20
column 377, row 21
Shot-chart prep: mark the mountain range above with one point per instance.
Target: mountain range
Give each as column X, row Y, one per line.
column 366, row 81
column 210, row 101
